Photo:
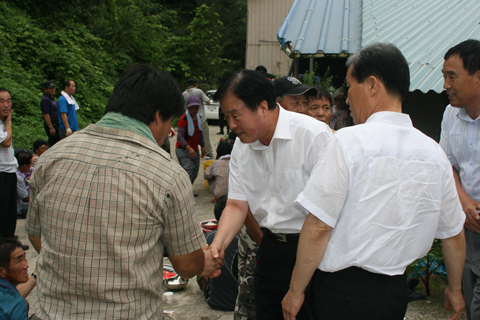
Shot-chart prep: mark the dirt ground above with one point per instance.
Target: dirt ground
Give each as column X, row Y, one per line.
column 190, row 302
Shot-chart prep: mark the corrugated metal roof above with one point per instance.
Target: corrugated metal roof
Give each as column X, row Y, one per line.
column 423, row 31
column 315, row 28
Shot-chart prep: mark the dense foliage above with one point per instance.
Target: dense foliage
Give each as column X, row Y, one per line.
column 92, row 42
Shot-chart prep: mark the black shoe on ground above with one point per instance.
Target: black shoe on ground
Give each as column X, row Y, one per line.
column 25, row 247
column 195, row 195
column 221, row 132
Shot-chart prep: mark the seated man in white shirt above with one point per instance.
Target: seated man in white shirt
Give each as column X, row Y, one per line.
column 379, row 194
column 24, row 160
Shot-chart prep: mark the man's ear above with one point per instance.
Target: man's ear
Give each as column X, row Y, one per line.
column 373, row 84
column 263, row 107
column 3, row 273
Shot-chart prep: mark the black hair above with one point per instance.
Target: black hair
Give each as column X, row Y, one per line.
column 220, row 206
column 225, row 147
column 7, row 246
column 384, row 61
column 66, row 83
column 38, row 143
column 23, row 157
column 143, row 90
column 261, row 69
column 3, row 90
column 469, row 52
column 232, row 135
column 322, row 93
column 249, row 86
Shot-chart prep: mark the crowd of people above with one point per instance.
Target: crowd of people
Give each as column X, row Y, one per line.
column 318, row 217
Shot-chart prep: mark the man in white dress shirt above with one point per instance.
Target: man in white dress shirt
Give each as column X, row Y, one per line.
column 460, row 141
column 379, row 194
column 271, row 161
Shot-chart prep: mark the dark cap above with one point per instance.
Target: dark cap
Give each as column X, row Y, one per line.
column 49, row 85
column 191, row 82
column 193, row 101
column 340, row 92
column 291, row 86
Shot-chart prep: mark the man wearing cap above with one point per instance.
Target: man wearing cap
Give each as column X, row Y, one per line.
column 189, row 136
column 67, row 108
column 192, row 90
column 291, row 94
column 50, row 113
column 340, row 111
column 270, row 164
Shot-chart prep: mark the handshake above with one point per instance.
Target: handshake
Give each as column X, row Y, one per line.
column 214, row 260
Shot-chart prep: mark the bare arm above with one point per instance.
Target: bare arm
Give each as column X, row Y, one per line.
column 48, row 121
column 65, row 120
column 199, row 262
column 233, row 218
column 311, row 248
column 470, row 206
column 8, row 129
column 253, row 227
column 27, row 287
column 454, row 254
column 36, row 242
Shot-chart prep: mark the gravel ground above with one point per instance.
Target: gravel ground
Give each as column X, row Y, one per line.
column 190, row 303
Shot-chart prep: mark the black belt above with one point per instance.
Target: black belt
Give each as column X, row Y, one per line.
column 283, row 237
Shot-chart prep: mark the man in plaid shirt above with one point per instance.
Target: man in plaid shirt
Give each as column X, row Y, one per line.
column 105, row 201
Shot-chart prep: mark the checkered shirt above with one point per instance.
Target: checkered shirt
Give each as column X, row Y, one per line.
column 218, row 170
column 105, row 201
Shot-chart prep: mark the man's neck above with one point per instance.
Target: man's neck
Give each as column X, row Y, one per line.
column 271, row 126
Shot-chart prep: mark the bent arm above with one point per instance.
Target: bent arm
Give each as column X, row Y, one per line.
column 454, row 255
column 8, row 130
column 27, row 287
column 469, row 205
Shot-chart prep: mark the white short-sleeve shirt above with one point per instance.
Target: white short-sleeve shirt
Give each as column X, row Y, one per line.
column 387, row 190
column 8, row 162
column 271, row 177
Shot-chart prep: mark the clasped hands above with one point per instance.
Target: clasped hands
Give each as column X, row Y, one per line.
column 214, row 260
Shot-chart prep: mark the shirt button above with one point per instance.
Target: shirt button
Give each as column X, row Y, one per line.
column 273, row 194
column 270, row 172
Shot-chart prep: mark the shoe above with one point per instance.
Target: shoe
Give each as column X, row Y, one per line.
column 208, row 158
column 195, row 195
column 221, row 132
column 25, row 247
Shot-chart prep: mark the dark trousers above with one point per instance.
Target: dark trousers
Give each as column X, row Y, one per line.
column 52, row 139
column 8, row 204
column 221, row 120
column 354, row 293
column 275, row 263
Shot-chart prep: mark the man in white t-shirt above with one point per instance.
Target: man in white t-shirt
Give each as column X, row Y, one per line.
column 8, row 167
column 379, row 194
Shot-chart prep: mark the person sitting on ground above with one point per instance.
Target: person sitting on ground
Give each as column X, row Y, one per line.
column 189, row 136
column 221, row 293
column 24, row 160
column 320, row 106
column 217, row 173
column 39, row 147
column 13, row 273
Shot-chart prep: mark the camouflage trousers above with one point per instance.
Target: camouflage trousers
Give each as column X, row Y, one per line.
column 247, row 256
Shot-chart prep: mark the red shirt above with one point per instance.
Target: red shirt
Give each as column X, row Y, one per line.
column 182, row 135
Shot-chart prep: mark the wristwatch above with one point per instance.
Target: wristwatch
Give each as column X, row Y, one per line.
column 34, row 275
